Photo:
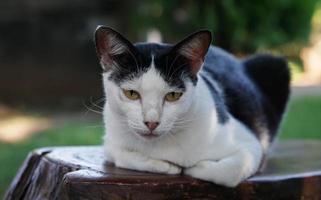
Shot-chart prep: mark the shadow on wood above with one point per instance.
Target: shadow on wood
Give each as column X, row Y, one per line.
column 292, row 171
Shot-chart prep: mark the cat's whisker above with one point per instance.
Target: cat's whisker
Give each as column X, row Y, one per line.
column 95, row 126
column 183, row 121
column 179, row 127
column 100, row 100
column 95, row 104
column 91, row 109
column 181, row 124
column 135, row 125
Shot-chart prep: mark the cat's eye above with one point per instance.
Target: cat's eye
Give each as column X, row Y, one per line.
column 131, row 94
column 173, row 96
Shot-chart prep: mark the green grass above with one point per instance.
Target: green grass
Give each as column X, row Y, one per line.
column 302, row 121
column 12, row 155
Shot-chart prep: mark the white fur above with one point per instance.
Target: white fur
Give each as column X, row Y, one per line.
column 190, row 139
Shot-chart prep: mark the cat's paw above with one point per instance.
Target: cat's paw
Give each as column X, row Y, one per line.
column 212, row 171
column 135, row 161
column 173, row 169
column 108, row 158
column 165, row 167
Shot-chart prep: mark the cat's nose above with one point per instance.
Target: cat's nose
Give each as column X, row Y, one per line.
column 151, row 125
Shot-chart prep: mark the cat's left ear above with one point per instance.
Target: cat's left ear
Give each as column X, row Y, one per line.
column 194, row 48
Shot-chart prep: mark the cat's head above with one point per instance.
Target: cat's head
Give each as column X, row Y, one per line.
column 150, row 86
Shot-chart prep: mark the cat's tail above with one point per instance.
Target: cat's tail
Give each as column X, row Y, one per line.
column 272, row 76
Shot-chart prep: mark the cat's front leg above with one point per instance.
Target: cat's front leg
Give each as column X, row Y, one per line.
column 229, row 171
column 137, row 161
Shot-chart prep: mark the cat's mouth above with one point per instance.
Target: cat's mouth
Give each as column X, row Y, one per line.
column 149, row 135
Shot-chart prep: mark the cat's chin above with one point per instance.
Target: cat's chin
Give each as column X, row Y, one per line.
column 149, row 136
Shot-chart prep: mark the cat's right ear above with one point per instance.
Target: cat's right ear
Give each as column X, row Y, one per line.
column 110, row 44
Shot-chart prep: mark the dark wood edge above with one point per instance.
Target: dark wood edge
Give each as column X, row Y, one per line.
column 21, row 182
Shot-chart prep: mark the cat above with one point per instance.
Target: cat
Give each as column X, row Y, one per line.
column 189, row 108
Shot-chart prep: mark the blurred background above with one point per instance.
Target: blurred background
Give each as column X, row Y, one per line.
column 50, row 79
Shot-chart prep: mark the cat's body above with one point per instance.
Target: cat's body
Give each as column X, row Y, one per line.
column 216, row 122
column 254, row 90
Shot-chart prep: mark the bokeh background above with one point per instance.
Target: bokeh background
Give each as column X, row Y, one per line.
column 50, row 80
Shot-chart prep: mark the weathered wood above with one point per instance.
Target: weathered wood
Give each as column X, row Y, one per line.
column 293, row 171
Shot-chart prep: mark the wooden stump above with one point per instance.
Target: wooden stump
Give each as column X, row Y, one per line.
column 293, row 171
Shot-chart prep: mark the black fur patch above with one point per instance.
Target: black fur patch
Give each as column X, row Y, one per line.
column 271, row 75
column 171, row 66
column 129, row 66
column 255, row 90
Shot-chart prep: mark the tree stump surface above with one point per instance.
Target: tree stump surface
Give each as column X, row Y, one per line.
column 292, row 171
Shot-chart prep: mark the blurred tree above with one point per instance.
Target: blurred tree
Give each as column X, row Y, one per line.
column 311, row 54
column 238, row 26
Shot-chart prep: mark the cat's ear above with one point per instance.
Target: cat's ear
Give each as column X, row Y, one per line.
column 194, row 48
column 110, row 44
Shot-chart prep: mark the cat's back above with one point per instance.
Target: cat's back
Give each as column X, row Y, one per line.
column 254, row 90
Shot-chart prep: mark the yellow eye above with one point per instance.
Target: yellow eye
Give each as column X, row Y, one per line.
column 173, row 96
column 131, row 94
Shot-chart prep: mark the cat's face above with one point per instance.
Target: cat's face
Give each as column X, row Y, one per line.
column 150, row 86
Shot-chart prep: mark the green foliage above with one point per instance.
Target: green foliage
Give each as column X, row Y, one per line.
column 240, row 26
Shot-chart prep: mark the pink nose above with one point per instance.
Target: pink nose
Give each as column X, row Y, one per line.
column 151, row 125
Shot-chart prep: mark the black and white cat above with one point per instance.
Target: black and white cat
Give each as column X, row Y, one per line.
column 189, row 107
